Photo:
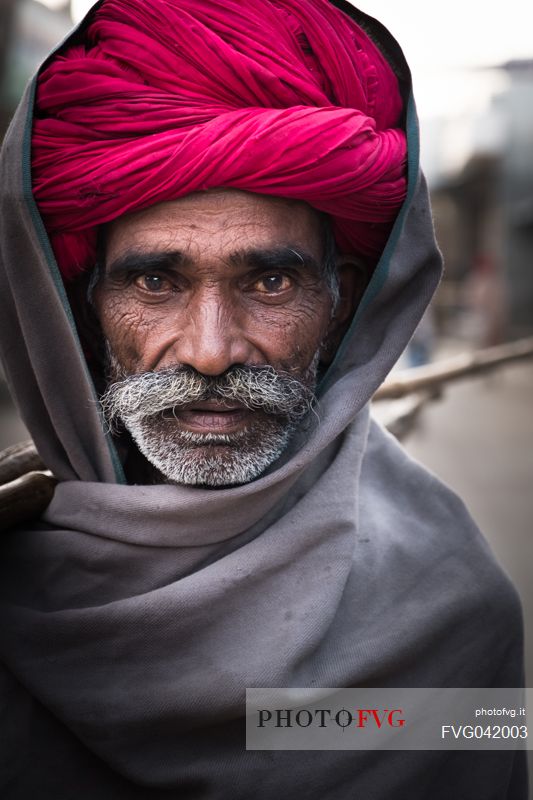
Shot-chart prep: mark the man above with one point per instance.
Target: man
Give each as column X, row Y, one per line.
column 230, row 249
column 213, row 282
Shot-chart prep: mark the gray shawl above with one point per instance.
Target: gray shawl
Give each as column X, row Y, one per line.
column 134, row 617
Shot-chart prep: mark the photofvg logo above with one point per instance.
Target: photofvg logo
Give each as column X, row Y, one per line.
column 325, row 717
column 385, row 719
column 318, row 719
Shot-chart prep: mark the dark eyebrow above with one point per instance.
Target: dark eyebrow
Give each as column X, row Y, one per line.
column 275, row 258
column 142, row 261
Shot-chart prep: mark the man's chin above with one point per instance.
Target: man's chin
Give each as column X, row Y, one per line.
column 210, row 459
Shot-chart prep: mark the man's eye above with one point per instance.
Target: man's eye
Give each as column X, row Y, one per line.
column 273, row 284
column 151, row 283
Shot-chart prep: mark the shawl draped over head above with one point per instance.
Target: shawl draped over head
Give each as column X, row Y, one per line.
column 164, row 98
column 134, row 617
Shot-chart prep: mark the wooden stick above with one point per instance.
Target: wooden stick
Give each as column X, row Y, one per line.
column 26, row 487
column 25, row 498
column 19, row 459
column 402, row 415
column 433, row 376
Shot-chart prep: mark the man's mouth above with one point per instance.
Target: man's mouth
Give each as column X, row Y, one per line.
column 212, row 416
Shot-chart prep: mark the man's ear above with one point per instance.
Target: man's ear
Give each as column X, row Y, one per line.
column 353, row 276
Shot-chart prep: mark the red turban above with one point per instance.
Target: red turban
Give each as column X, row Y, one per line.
column 160, row 98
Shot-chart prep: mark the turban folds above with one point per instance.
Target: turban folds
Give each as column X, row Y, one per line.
column 160, row 98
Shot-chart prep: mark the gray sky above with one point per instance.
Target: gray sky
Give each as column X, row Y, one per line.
column 457, row 32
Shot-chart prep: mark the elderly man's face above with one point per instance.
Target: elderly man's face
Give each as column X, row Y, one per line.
column 215, row 309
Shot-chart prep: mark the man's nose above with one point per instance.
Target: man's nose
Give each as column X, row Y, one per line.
column 214, row 338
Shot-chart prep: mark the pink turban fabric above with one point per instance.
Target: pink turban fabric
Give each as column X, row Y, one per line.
column 160, row 98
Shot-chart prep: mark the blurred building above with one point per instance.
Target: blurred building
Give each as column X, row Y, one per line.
column 480, row 168
column 28, row 31
column 477, row 153
column 516, row 106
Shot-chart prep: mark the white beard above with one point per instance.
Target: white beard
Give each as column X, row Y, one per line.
column 208, row 459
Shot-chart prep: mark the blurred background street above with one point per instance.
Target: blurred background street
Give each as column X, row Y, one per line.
column 474, row 83
column 479, row 440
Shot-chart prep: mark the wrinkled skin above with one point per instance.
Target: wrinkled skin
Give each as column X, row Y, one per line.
column 217, row 308
column 218, row 279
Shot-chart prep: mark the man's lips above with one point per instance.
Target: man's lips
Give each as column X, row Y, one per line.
column 213, row 416
column 216, row 405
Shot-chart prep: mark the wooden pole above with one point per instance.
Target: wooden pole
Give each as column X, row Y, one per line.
column 26, row 487
column 433, row 376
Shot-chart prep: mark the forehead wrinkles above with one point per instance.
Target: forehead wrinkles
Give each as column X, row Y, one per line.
column 217, row 221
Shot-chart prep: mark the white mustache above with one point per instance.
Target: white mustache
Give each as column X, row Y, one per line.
column 255, row 387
